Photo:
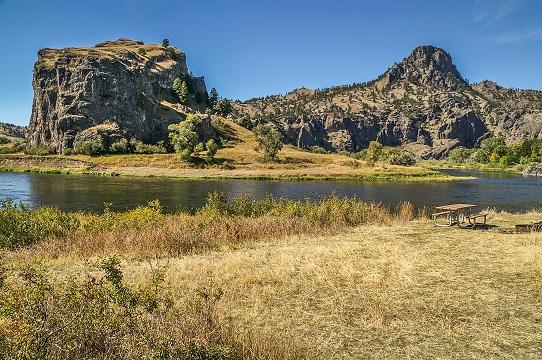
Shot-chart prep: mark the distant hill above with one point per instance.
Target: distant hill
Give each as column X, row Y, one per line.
column 13, row 132
column 422, row 102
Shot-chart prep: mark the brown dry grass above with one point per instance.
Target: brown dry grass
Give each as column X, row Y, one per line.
column 400, row 290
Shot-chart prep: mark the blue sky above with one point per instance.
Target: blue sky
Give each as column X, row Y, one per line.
column 249, row 48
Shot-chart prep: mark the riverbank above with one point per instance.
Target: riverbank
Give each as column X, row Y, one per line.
column 295, row 165
column 388, row 285
column 472, row 166
column 238, row 159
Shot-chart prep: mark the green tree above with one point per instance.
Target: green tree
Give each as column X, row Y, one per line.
column 374, row 152
column 212, row 148
column 165, row 43
column 223, row 107
column 269, row 140
column 181, row 90
column 184, row 137
column 213, row 98
column 460, row 155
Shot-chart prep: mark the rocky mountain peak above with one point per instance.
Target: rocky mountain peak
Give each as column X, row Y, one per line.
column 426, row 65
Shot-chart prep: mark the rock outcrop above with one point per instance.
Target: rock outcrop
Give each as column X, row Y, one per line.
column 123, row 84
column 535, row 170
column 422, row 102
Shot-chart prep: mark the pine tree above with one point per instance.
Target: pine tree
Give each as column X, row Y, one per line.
column 165, row 43
column 213, row 98
column 181, row 90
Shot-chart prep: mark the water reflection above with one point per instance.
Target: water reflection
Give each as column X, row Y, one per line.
column 82, row 192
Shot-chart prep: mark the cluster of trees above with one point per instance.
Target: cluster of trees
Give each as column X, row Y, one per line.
column 214, row 103
column 220, row 106
column 495, row 151
column 393, row 155
column 185, row 139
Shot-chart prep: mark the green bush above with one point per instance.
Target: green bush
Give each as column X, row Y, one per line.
column 212, row 148
column 460, row 155
column 268, row 140
column 374, row 152
column 99, row 317
column 141, row 148
column 90, row 147
column 120, row 147
column 41, row 149
column 318, row 150
column 403, row 158
column 4, row 140
column 21, row 226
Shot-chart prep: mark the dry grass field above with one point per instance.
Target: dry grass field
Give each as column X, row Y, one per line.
column 382, row 287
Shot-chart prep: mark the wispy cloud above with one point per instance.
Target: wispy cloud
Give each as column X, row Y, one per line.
column 488, row 12
column 519, row 36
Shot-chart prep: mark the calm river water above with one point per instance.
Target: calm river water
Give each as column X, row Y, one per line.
column 87, row 192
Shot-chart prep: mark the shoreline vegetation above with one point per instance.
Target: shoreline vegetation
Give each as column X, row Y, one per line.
column 334, row 278
column 314, row 167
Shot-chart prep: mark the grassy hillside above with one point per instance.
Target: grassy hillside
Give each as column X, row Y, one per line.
column 237, row 159
column 264, row 280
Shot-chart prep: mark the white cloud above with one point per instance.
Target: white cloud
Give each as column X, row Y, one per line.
column 489, row 12
column 519, row 36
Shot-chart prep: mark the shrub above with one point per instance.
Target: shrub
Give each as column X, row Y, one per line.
column 403, row 158
column 374, row 152
column 269, row 141
column 4, row 140
column 142, row 51
column 68, row 151
column 101, row 317
column 90, row 147
column 211, row 150
column 140, row 147
column 120, row 147
column 318, row 150
column 460, row 155
column 21, row 226
column 41, row 150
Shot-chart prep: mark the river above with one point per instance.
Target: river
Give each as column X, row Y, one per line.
column 88, row 192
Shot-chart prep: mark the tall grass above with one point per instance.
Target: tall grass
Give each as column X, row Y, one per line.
column 103, row 318
column 148, row 231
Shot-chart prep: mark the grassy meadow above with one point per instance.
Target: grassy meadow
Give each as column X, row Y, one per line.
column 268, row 279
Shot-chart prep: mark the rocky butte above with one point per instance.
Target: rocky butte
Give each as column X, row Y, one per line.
column 122, row 88
column 422, row 103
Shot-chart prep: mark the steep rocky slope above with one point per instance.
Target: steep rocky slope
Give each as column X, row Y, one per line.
column 422, row 102
column 123, row 85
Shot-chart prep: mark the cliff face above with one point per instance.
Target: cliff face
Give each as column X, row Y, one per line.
column 124, row 84
column 422, row 103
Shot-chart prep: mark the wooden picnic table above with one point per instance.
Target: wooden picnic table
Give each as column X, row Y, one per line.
column 456, row 214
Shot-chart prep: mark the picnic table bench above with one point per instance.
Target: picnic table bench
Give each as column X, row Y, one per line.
column 458, row 214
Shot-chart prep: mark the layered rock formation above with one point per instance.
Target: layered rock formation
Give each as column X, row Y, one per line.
column 422, row 103
column 123, row 84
